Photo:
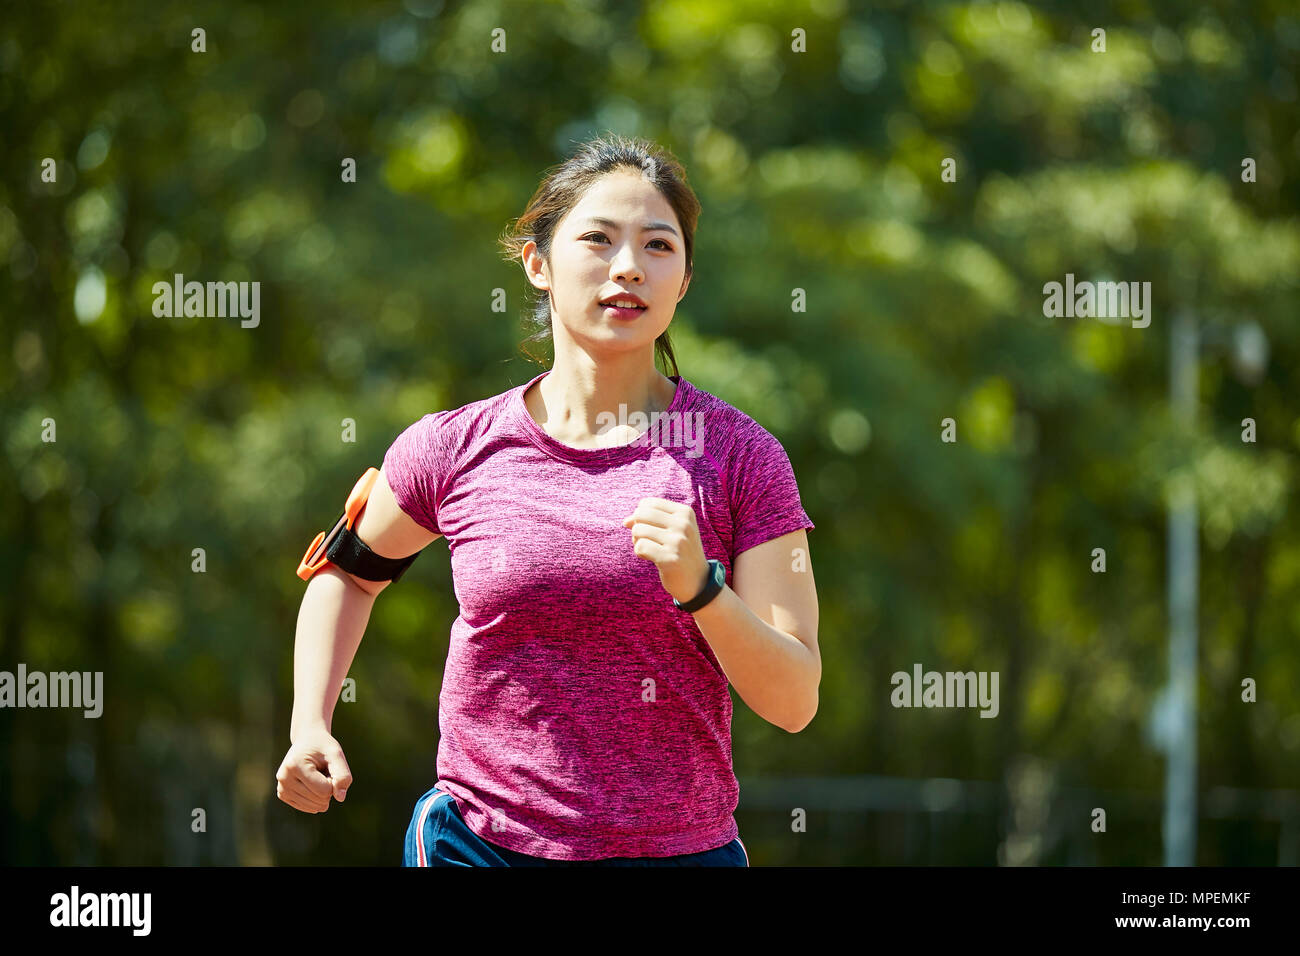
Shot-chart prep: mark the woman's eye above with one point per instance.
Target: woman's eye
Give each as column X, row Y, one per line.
column 591, row 237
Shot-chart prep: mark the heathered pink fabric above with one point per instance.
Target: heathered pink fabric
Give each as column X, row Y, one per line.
column 580, row 710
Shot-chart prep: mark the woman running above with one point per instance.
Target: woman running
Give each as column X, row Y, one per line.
column 623, row 545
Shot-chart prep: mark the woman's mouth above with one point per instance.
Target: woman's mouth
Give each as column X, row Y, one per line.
column 624, row 311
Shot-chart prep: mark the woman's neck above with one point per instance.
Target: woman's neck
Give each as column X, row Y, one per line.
column 591, row 408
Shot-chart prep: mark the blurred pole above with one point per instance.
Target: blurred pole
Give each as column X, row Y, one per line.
column 1180, row 769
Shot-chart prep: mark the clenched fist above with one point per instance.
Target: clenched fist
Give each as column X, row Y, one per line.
column 666, row 533
column 300, row 781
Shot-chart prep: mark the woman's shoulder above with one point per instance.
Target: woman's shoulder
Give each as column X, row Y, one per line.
column 729, row 429
column 464, row 419
column 448, row 431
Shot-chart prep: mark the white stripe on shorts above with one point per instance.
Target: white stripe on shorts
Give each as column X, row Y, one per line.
column 421, row 859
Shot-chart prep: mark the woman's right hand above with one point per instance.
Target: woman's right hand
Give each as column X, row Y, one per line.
column 300, row 780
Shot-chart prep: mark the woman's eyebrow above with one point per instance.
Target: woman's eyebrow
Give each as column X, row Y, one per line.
column 646, row 227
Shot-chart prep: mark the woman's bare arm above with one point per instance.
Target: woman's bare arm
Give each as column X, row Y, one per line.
column 336, row 609
column 331, row 622
column 388, row 531
column 764, row 633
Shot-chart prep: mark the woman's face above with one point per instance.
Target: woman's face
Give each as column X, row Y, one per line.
column 592, row 261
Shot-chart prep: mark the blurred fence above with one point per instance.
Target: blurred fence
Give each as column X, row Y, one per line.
column 871, row 819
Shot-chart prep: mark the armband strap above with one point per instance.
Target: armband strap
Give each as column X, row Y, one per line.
column 341, row 546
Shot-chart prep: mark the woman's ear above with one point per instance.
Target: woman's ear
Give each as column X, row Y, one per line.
column 534, row 266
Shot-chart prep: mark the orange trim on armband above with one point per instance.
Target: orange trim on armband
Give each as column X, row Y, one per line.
column 314, row 559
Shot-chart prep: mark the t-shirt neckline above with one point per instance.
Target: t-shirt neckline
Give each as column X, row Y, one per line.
column 613, row 454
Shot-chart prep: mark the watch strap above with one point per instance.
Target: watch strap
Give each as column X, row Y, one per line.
column 712, row 587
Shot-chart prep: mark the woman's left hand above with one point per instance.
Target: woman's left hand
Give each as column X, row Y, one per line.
column 665, row 532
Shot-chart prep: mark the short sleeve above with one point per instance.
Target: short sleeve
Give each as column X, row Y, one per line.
column 416, row 466
column 765, row 500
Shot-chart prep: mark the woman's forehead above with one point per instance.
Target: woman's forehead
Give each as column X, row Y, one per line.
column 625, row 188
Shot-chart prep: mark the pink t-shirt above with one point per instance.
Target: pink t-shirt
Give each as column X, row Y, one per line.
column 582, row 715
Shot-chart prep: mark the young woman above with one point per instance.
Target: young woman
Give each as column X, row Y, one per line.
column 593, row 515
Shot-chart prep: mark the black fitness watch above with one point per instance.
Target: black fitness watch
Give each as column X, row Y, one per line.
column 713, row 585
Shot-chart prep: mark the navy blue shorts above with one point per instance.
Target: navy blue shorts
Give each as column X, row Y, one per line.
column 438, row 836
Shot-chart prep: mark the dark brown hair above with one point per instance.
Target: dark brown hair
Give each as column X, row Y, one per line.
column 561, row 190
